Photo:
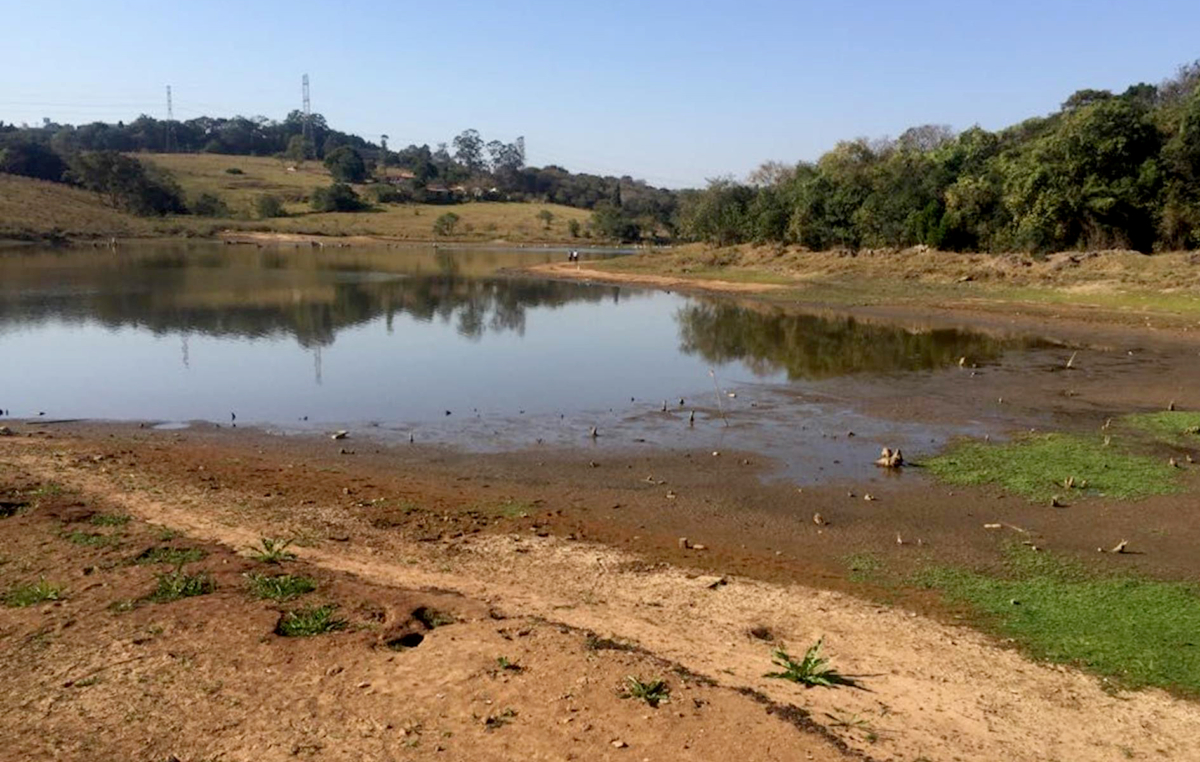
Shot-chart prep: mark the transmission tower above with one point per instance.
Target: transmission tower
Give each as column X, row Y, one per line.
column 169, row 137
column 308, row 131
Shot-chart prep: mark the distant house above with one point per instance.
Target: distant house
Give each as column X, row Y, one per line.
column 397, row 176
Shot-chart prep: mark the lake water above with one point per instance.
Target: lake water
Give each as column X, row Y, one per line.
column 439, row 344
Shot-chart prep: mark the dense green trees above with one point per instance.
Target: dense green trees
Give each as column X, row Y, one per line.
column 346, row 165
column 338, row 197
column 127, row 183
column 31, row 159
column 1104, row 171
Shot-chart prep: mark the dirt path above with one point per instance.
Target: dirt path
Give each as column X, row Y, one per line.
column 931, row 691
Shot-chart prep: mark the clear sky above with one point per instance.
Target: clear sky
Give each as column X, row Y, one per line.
column 672, row 91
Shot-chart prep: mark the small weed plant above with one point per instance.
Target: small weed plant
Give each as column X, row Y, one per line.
column 653, row 692
column 309, row 621
column 170, row 555
column 283, row 587
column 178, row 584
column 31, row 595
column 812, row 670
column 272, row 551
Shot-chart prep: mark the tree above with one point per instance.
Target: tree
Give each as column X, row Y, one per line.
column 338, row 197
column 546, row 216
column 468, row 151
column 346, row 165
column 573, row 227
column 446, row 224
column 127, row 184
column 300, row 149
column 32, row 159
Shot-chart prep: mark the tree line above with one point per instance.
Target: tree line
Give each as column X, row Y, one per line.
column 97, row 156
column 1104, row 171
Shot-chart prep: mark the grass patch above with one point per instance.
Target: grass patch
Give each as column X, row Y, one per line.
column 653, row 692
column 309, row 621
column 109, row 520
column 1039, row 466
column 1137, row 631
column 1174, row 427
column 89, row 539
column 863, row 566
column 284, row 587
column 812, row 670
column 30, row 595
column 170, row 555
column 431, row 617
column 178, row 584
column 272, row 551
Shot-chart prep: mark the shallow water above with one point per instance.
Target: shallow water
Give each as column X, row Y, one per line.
column 438, row 344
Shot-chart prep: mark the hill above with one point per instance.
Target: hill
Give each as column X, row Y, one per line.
column 35, row 210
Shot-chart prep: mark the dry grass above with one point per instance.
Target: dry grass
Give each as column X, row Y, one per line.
column 484, row 221
column 32, row 210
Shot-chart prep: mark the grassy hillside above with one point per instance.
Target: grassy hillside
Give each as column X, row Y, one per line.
column 482, row 221
column 31, row 209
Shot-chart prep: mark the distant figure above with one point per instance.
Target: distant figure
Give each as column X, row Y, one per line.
column 573, row 256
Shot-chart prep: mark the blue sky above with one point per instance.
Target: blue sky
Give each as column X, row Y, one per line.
column 669, row 91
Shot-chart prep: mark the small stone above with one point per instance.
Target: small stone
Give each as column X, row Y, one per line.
column 619, row 744
column 683, row 543
column 340, row 434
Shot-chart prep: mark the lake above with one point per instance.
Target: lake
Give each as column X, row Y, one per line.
column 441, row 344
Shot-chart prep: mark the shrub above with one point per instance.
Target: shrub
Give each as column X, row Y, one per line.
column 268, row 206
column 338, row 197
column 445, row 224
column 208, row 205
column 234, row 171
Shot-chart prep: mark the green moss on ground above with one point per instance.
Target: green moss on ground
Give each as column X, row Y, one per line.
column 1039, row 466
column 1138, row 632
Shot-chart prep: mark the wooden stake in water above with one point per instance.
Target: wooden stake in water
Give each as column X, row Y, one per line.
column 720, row 405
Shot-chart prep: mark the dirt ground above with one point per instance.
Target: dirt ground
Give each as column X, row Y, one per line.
column 551, row 549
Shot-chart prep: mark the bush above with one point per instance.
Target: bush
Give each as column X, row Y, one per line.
column 208, row 205
column 445, row 224
column 234, row 171
column 338, row 197
column 385, row 193
column 31, row 159
column 269, row 206
column 346, row 165
column 128, row 184
column 573, row 227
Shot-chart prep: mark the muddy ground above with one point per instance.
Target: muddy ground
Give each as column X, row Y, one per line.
column 506, row 544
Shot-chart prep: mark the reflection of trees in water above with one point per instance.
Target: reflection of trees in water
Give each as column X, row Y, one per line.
column 171, row 302
column 808, row 346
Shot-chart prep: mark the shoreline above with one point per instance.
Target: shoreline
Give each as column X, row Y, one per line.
column 397, row 520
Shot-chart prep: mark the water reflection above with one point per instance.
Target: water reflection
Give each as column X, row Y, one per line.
column 401, row 335
column 269, row 293
column 811, row 346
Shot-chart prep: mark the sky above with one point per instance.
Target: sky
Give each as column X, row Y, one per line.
column 669, row 91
